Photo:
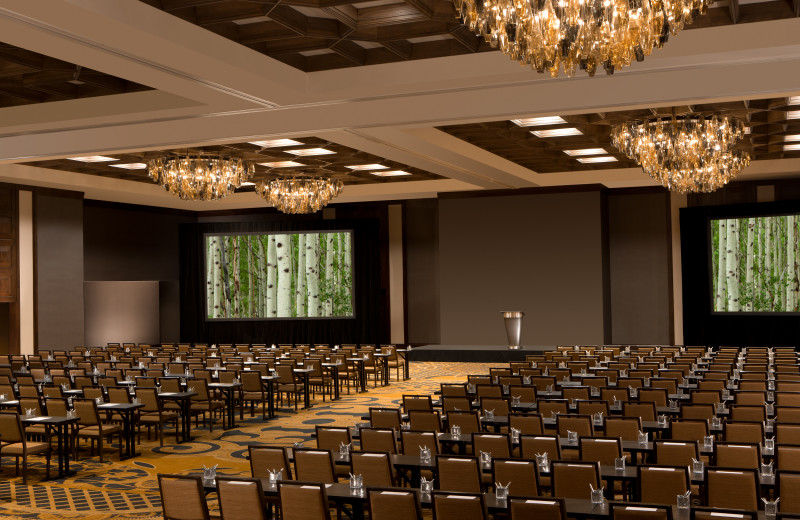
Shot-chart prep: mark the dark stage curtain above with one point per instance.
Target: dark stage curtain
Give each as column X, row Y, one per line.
column 365, row 327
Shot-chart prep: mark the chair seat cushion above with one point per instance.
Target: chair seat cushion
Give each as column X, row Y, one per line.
column 94, row 431
column 30, row 447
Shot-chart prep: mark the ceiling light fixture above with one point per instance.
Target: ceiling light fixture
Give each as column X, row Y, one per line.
column 793, row 114
column 281, row 164
column 686, row 154
column 300, row 194
column 585, row 151
column 571, row 34
column 199, row 176
column 130, row 166
column 794, row 100
column 365, row 167
column 791, row 138
column 276, row 143
column 92, row 159
column 591, row 160
column 307, row 152
column 557, row 132
column 539, row 121
column 791, row 147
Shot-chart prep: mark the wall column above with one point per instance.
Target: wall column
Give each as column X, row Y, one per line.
column 27, row 269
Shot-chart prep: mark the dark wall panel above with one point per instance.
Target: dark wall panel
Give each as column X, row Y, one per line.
column 538, row 253
column 121, row 312
column 59, row 273
column 134, row 243
column 422, row 271
column 639, row 267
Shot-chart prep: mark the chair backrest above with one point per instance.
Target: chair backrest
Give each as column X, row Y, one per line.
column 264, row 459
column 593, row 407
column 526, row 423
column 86, row 409
column 688, row 430
column 454, row 390
column 573, row 479
column 455, row 404
column 11, row 428
column 746, row 432
column 417, row 402
column 582, row 424
column 376, row 439
column 626, row 428
column 499, row 445
column 303, row 501
column 732, row 488
column 118, row 394
column 530, row 445
column 394, row 504
column 56, row 406
column 413, row 440
column 787, row 485
column 459, row 473
column 629, row 511
column 787, row 458
column 676, row 453
column 182, row 497
column 329, row 438
column 251, row 381
column 733, row 455
column 429, row 420
column 787, row 433
column 314, row 465
column 662, row 484
column 375, row 468
column 547, row 407
column 521, row 474
column 458, row 506
column 646, row 411
column 468, row 421
column 169, row 384
column 653, row 395
column 697, row 411
column 706, row 396
column 498, row 405
column 747, row 412
column 600, row 449
column 385, row 418
column 787, row 415
column 750, row 397
column 540, row 508
column 526, row 393
column 241, row 498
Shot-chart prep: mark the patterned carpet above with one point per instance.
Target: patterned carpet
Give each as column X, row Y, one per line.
column 128, row 489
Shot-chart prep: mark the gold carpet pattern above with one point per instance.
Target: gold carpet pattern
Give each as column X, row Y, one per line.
column 116, row 489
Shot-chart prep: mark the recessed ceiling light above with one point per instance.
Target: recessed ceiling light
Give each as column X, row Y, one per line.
column 365, row 167
column 557, row 132
column 248, row 184
column 791, row 138
column 391, row 173
column 794, row 100
column 585, row 151
column 280, row 164
column 539, row 121
column 276, row 143
column 793, row 114
column 93, row 158
column 590, row 160
column 305, row 152
column 791, row 147
column 130, row 166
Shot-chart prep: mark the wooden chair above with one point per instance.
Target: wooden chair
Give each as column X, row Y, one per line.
column 182, row 497
column 152, row 414
column 303, row 501
column 393, row 504
column 787, row 486
column 91, row 427
column 629, row 511
column 544, row 508
column 521, row 474
column 458, row 506
column 736, row 489
column 461, row 474
column 662, row 484
column 14, row 443
column 572, row 479
column 264, row 459
column 241, row 498
column 314, row 465
column 203, row 403
column 254, row 391
column 375, row 468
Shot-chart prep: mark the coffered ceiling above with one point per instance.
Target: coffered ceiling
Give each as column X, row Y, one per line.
column 394, row 83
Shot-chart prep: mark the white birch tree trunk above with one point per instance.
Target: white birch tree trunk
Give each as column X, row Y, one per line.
column 759, row 259
column 312, row 274
column 768, row 268
column 225, row 287
column 251, row 283
column 283, row 249
column 751, row 234
column 780, row 264
column 237, row 293
column 272, row 277
column 328, row 304
column 301, row 275
column 721, row 301
column 790, row 266
column 261, row 262
column 732, row 265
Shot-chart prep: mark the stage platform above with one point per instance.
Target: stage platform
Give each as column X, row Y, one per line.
column 475, row 353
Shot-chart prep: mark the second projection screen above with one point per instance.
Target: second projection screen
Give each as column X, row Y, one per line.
column 292, row 275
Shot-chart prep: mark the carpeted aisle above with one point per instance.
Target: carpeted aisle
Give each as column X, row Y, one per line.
column 128, row 489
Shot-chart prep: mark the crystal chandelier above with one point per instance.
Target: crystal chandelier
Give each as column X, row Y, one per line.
column 686, row 154
column 588, row 34
column 300, row 194
column 199, row 176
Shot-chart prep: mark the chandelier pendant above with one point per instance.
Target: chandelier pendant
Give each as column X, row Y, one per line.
column 199, row 176
column 299, row 194
column 686, row 154
column 572, row 34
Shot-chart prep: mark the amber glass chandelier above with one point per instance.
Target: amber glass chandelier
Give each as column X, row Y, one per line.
column 299, row 194
column 199, row 176
column 572, row 34
column 686, row 154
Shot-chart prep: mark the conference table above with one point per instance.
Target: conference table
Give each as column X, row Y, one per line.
column 60, row 426
column 228, row 391
column 127, row 412
column 184, row 402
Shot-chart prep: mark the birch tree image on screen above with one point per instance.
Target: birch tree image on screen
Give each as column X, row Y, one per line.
column 279, row 275
column 755, row 264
